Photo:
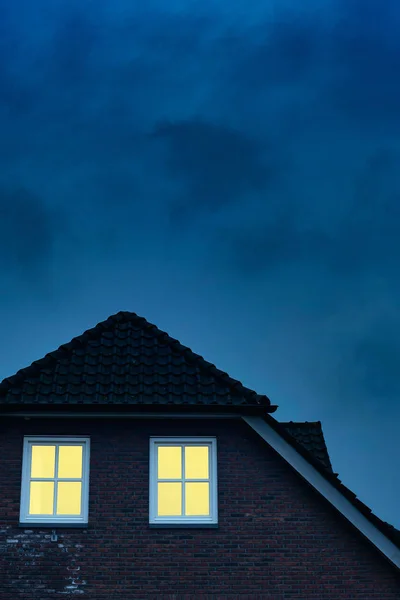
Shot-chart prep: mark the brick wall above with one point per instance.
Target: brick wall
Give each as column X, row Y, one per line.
column 276, row 538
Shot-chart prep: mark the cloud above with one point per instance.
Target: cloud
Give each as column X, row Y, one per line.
column 28, row 231
column 16, row 96
column 366, row 362
column 280, row 50
column 365, row 62
column 257, row 250
column 217, row 164
column 332, row 62
column 376, row 358
column 74, row 44
column 354, row 238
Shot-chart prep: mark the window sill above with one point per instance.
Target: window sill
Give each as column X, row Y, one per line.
column 53, row 525
column 183, row 525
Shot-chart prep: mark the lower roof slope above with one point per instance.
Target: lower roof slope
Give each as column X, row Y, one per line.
column 308, row 439
column 126, row 361
column 310, row 436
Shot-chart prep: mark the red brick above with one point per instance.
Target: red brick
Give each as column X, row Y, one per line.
column 277, row 539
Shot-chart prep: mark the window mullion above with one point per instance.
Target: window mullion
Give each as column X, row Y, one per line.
column 183, row 481
column 56, row 482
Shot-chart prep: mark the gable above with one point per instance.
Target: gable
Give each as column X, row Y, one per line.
column 380, row 534
column 275, row 534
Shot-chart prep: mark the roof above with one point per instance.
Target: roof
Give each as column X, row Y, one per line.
column 126, row 361
column 310, row 436
column 308, row 439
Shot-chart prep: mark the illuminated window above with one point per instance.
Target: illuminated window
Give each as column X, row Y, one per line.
column 55, row 474
column 183, row 481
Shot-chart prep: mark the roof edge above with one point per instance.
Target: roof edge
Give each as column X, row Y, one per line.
column 75, row 410
column 328, row 486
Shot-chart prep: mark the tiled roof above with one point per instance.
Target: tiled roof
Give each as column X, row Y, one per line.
column 308, row 439
column 310, row 436
column 126, row 361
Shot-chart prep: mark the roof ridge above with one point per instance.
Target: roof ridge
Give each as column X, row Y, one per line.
column 44, row 361
column 127, row 316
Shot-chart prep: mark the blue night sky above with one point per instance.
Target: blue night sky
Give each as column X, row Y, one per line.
column 229, row 171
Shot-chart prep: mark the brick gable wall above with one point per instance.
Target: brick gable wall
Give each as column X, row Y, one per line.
column 277, row 539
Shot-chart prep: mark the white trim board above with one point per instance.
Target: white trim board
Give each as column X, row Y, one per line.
column 325, row 488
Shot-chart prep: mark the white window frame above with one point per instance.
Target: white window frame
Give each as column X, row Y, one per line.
column 183, row 520
column 25, row 517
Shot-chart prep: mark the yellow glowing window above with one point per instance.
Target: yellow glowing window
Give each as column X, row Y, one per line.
column 183, row 480
column 55, row 480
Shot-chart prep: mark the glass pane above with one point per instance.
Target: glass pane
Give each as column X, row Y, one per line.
column 197, row 499
column 41, row 498
column 169, row 499
column 70, row 461
column 69, row 498
column 169, row 462
column 196, row 462
column 43, row 461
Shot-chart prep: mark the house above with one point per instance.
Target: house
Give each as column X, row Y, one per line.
column 132, row 468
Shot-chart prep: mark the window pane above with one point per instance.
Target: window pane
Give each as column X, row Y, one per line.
column 169, row 462
column 197, row 500
column 169, row 499
column 43, row 461
column 69, row 498
column 70, row 461
column 196, row 462
column 41, row 498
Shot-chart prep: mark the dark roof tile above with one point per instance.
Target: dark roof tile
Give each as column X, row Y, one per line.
column 310, row 436
column 126, row 360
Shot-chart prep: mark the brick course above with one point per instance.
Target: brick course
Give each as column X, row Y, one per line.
column 276, row 540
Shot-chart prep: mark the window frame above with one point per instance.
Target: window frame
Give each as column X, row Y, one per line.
column 182, row 520
column 54, row 520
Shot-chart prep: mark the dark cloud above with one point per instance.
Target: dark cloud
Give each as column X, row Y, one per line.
column 16, row 98
column 366, row 54
column 167, row 36
column 257, row 250
column 377, row 359
column 280, row 51
column 363, row 237
column 369, row 361
column 217, row 164
column 74, row 43
column 16, row 95
column 28, row 230
column 344, row 61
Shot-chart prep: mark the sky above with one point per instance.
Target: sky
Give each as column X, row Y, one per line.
column 230, row 172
